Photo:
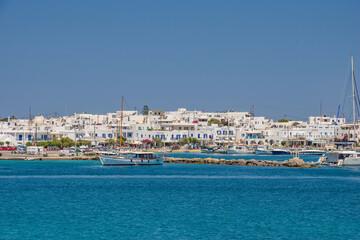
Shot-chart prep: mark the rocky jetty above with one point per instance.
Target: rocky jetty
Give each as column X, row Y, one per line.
column 295, row 163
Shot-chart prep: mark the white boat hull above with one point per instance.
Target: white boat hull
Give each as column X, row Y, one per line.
column 311, row 152
column 263, row 152
column 128, row 161
column 350, row 161
column 233, row 151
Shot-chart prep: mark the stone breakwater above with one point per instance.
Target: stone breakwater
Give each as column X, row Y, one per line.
column 36, row 158
column 295, row 163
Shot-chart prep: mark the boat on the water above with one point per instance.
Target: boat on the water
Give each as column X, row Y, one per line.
column 207, row 150
column 311, row 152
column 261, row 150
column 344, row 156
column 341, row 158
column 238, row 149
column 280, row 151
column 131, row 159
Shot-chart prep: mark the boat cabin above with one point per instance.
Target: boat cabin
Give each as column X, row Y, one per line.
column 142, row 155
column 335, row 157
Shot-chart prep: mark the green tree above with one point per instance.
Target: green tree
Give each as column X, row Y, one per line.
column 67, row 142
column 295, row 124
column 7, row 142
column 157, row 141
column 123, row 140
column 145, row 110
column 43, row 144
column 283, row 143
column 55, row 143
column 84, row 143
column 110, row 142
column 184, row 141
column 1, row 143
column 28, row 144
column 214, row 121
column 283, row 120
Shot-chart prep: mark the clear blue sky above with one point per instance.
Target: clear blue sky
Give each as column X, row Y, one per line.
column 284, row 57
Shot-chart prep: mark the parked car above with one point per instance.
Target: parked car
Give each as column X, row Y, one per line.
column 21, row 150
column 66, row 152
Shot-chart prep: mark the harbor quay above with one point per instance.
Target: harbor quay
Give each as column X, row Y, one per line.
column 165, row 129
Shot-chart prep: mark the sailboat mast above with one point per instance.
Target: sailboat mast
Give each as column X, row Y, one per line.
column 121, row 122
column 353, row 94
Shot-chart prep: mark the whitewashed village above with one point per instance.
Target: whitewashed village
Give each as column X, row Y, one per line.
column 168, row 128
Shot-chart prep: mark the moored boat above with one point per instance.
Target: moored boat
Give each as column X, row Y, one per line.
column 238, row 149
column 135, row 158
column 341, row 158
column 280, row 151
column 311, row 152
column 207, row 150
column 261, row 150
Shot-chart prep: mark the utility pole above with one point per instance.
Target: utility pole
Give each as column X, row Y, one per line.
column 35, row 137
column 94, row 135
column 75, row 140
column 29, row 123
column 121, row 122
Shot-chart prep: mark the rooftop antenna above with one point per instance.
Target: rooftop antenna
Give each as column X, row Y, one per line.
column 321, row 109
column 252, row 111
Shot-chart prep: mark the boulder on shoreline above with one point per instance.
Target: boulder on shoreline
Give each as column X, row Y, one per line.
column 294, row 163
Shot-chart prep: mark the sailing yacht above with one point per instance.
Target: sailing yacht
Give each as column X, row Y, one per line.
column 345, row 157
column 129, row 158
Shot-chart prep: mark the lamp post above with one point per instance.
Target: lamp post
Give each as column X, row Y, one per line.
column 75, row 141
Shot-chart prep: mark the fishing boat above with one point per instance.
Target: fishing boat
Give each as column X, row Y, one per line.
column 134, row 158
column 129, row 158
column 238, row 149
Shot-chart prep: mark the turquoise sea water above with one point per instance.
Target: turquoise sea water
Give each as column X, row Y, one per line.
column 84, row 200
